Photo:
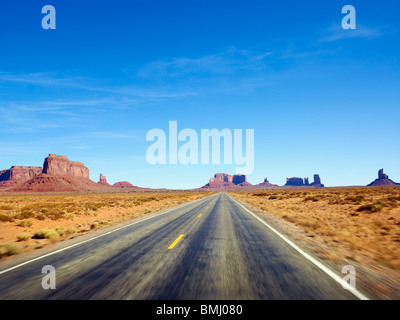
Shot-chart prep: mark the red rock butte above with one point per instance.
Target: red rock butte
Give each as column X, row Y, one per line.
column 266, row 183
column 103, row 181
column 118, row 185
column 383, row 180
column 223, row 180
column 300, row 182
column 60, row 165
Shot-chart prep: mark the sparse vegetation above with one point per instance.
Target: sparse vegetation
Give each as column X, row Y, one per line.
column 47, row 233
column 9, row 248
column 61, row 216
column 355, row 225
column 24, row 236
column 60, row 230
column 25, row 223
column 358, row 222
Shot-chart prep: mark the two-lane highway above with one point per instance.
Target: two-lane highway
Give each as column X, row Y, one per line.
column 212, row 248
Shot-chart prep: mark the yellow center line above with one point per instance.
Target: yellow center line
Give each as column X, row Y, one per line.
column 175, row 242
column 199, row 215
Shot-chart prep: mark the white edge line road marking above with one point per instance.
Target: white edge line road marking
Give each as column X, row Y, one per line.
column 99, row 236
column 328, row 271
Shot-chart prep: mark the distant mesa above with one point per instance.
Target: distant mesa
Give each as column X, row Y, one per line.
column 120, row 185
column 300, row 182
column 125, row 185
column 295, row 182
column 239, row 181
column 16, row 174
column 266, row 183
column 224, row 181
column 383, row 180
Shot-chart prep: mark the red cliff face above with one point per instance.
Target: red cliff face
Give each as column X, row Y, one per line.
column 19, row 173
column 60, row 165
column 221, row 178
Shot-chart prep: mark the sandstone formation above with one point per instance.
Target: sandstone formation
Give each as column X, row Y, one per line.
column 17, row 174
column 239, row 178
column 57, row 183
column 317, row 181
column 103, row 181
column 266, row 183
column 117, row 185
column 223, row 180
column 60, row 165
column 124, row 185
column 300, row 182
column 383, row 180
column 295, row 181
column 57, row 175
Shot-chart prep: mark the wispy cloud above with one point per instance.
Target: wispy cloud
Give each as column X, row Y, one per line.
column 336, row 32
column 232, row 70
column 227, row 62
column 129, row 93
column 45, row 79
column 28, row 117
column 151, row 83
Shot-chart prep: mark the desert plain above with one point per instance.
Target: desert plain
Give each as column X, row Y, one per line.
column 358, row 226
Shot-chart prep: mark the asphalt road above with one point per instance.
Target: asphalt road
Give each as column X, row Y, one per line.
column 209, row 249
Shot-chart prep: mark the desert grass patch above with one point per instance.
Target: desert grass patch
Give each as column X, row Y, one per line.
column 370, row 208
column 9, row 248
column 6, row 207
column 23, row 236
column 25, row 223
column 47, row 233
column 6, row 217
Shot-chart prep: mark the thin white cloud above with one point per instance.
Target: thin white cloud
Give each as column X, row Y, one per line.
column 228, row 62
column 336, row 32
column 45, row 79
column 129, row 92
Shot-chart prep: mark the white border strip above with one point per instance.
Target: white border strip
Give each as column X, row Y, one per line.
column 328, row 271
column 96, row 237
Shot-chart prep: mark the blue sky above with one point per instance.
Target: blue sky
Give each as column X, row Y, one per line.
column 320, row 99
